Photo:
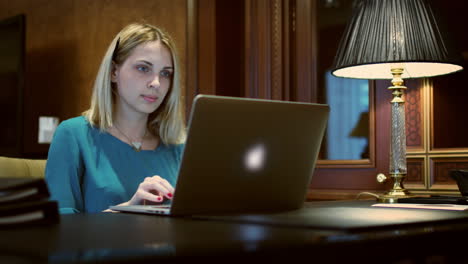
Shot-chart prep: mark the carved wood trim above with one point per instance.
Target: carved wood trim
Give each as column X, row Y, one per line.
column 276, row 50
column 449, row 151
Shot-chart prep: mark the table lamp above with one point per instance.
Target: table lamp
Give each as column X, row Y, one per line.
column 394, row 39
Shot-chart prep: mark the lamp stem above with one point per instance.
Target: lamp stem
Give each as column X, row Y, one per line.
column 398, row 140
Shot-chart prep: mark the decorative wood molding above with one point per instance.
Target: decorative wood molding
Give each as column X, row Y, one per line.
column 276, row 50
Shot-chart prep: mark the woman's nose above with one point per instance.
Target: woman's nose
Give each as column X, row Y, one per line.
column 154, row 83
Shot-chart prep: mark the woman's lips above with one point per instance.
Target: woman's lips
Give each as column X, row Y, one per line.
column 150, row 99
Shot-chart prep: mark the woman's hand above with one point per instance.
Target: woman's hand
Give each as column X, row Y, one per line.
column 153, row 189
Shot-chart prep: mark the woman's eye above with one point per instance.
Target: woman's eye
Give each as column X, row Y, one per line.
column 143, row 68
column 166, row 73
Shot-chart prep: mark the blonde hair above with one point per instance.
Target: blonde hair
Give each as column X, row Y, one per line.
column 168, row 121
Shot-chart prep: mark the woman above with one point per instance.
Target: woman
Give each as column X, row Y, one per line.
column 126, row 148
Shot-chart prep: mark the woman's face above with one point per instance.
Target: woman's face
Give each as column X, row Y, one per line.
column 143, row 79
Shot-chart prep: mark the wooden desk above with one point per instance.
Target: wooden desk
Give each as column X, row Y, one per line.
column 134, row 238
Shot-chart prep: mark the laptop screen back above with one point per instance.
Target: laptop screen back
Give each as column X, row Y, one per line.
column 247, row 155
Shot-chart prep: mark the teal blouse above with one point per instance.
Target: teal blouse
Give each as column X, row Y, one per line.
column 89, row 170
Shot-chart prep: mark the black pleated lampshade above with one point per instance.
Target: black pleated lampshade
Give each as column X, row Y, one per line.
column 385, row 33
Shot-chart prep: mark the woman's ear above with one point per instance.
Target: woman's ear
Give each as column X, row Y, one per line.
column 114, row 72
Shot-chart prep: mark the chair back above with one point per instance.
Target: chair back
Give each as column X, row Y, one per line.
column 18, row 167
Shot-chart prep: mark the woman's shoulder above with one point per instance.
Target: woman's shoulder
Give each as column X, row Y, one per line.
column 174, row 147
column 75, row 124
column 75, row 121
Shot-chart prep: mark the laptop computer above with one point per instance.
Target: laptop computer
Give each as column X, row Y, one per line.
column 245, row 156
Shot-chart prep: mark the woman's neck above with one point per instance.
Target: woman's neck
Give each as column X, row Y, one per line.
column 133, row 126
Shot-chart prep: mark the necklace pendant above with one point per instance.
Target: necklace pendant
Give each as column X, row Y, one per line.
column 136, row 146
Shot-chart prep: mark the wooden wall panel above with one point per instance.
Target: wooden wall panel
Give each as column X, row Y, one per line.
column 449, row 98
column 415, row 173
column 65, row 42
column 191, row 54
column 201, row 49
column 414, row 115
column 229, row 48
column 441, row 167
column 206, row 41
column 258, row 46
column 305, row 51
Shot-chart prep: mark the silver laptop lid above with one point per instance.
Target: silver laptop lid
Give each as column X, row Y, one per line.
column 248, row 155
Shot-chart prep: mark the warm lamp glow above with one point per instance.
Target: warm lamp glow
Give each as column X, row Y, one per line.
column 411, row 70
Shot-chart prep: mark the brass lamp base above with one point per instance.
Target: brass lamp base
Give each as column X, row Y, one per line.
column 386, row 198
column 396, row 192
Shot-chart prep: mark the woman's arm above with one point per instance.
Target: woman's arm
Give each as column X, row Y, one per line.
column 64, row 170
